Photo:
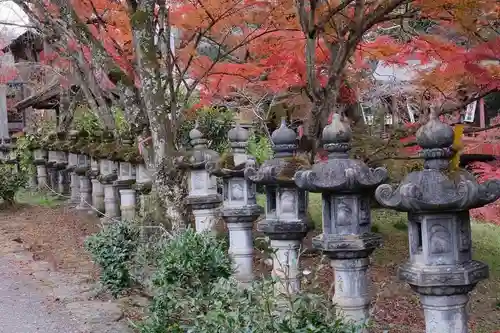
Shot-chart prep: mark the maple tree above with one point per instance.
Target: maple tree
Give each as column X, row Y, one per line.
column 123, row 52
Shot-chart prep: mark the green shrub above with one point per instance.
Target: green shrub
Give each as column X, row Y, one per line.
column 193, row 260
column 260, row 147
column 214, row 123
column 113, row 249
column 10, row 182
column 195, row 293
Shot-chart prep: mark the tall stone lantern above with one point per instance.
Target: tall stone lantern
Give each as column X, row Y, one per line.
column 286, row 206
column 239, row 209
column 346, row 186
column 440, row 268
column 203, row 196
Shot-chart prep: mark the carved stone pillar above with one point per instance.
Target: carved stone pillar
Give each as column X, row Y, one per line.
column 440, row 268
column 97, row 187
column 346, row 186
column 108, row 174
column 40, row 160
column 286, row 207
column 82, row 170
column 240, row 209
column 203, row 196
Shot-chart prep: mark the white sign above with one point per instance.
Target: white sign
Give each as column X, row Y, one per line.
column 470, row 112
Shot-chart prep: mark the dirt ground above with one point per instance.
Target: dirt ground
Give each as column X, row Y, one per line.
column 48, row 242
column 46, row 246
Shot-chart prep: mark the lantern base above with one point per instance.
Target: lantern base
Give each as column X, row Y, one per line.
column 445, row 314
column 351, row 291
column 443, row 279
column 347, row 246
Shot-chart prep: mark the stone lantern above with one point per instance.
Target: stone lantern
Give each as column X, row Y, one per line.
column 82, row 170
column 286, row 206
column 347, row 186
column 240, row 208
column 124, row 184
column 40, row 160
column 440, row 268
column 203, row 196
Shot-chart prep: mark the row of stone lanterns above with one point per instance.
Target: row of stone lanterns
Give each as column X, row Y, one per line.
column 100, row 186
column 440, row 268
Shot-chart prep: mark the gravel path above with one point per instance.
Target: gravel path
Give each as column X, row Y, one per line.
column 22, row 308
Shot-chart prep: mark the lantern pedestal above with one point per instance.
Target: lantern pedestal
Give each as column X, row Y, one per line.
column 62, row 175
column 108, row 175
column 351, row 289
column 97, row 188
column 41, row 173
column 241, row 241
column 128, row 204
column 125, row 193
column 285, row 264
column 75, row 188
column 142, row 186
column 98, row 196
column 40, row 160
column 82, row 171
column 111, row 207
column 445, row 314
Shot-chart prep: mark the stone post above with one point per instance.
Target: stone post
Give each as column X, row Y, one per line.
column 97, row 188
column 40, row 160
column 203, row 196
column 438, row 200
column 124, row 183
column 82, row 171
column 143, row 185
column 240, row 209
column 286, row 207
column 108, row 174
column 346, row 186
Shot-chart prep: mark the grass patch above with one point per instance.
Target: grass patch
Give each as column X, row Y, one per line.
column 43, row 199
